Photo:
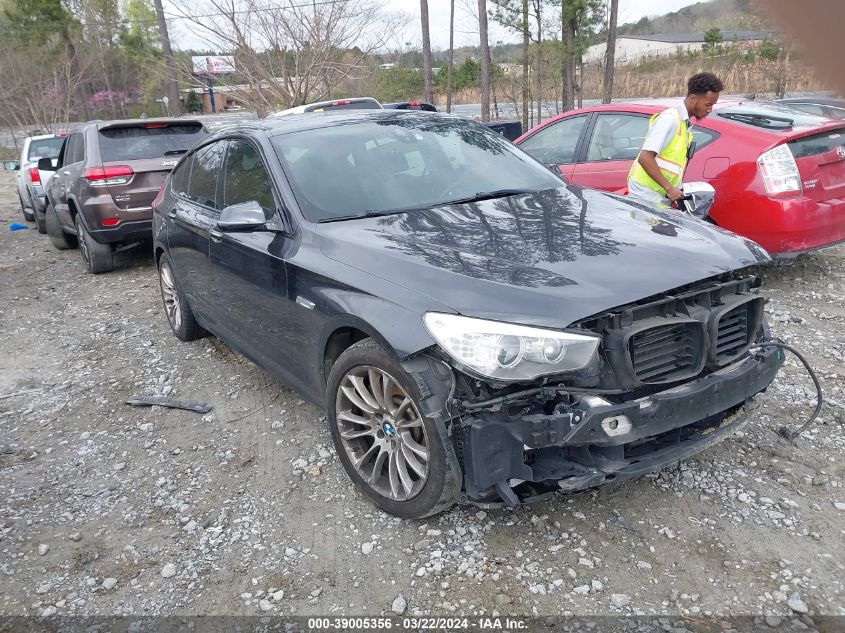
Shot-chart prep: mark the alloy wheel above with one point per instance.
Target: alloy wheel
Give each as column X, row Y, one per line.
column 170, row 296
column 382, row 433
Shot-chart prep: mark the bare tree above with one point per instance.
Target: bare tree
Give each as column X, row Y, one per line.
column 172, row 85
column 426, row 49
column 568, row 25
column 610, row 52
column 291, row 52
column 485, row 60
column 451, row 55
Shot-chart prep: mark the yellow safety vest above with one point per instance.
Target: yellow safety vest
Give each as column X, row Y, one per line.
column 672, row 159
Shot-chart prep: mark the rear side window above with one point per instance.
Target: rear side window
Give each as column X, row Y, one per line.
column 149, row 141
column 703, row 136
column 617, row 137
column 246, row 179
column 817, row 144
column 204, row 169
column 45, row 148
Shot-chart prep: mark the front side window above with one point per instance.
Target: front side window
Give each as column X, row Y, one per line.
column 205, row 166
column 408, row 161
column 246, row 178
column 617, row 137
column 556, row 144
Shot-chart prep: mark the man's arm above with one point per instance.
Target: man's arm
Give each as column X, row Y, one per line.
column 648, row 161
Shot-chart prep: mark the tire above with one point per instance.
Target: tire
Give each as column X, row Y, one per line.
column 176, row 308
column 61, row 240
column 393, row 425
column 98, row 258
column 41, row 222
column 28, row 214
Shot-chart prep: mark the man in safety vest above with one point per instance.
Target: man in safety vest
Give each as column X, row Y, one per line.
column 656, row 174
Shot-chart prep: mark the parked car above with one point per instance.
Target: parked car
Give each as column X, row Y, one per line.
column 472, row 325
column 107, row 176
column 355, row 103
column 779, row 174
column 31, row 181
column 830, row 107
column 410, row 105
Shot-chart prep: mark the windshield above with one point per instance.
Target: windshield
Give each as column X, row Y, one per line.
column 45, row 148
column 151, row 140
column 408, row 160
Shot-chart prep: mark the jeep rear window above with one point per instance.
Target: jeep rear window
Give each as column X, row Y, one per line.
column 44, row 148
column 135, row 142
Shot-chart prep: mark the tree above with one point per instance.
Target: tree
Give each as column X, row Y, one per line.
column 451, row 55
column 514, row 14
column 193, row 103
column 712, row 40
column 172, row 85
column 426, row 46
column 291, row 52
column 485, row 60
column 610, row 52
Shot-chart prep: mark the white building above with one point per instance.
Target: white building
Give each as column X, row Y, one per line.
column 632, row 48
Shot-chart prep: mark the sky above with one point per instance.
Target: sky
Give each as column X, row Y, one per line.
column 466, row 22
column 466, row 25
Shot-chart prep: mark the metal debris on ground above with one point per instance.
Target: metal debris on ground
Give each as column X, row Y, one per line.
column 163, row 401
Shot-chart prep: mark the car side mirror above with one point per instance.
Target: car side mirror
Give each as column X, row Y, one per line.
column 244, row 216
column 46, row 164
column 11, row 165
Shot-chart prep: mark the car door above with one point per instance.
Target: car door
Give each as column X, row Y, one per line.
column 250, row 274
column 68, row 177
column 191, row 219
column 558, row 144
column 614, row 141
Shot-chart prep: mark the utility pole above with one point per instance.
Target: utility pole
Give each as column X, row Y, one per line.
column 172, row 86
column 451, row 56
column 485, row 60
column 426, row 46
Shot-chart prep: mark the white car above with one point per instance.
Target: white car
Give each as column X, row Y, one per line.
column 32, row 182
column 355, row 103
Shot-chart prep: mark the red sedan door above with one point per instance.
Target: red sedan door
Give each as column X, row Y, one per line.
column 614, row 140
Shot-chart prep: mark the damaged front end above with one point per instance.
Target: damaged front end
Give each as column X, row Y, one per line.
column 672, row 375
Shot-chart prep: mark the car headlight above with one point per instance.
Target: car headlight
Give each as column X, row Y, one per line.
column 506, row 351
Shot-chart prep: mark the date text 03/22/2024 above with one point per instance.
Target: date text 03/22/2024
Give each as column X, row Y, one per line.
column 417, row 623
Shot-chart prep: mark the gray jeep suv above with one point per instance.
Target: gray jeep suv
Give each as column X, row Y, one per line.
column 107, row 176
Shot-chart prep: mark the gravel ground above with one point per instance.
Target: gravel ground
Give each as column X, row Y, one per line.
column 107, row 509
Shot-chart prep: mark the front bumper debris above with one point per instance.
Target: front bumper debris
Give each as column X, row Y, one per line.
column 592, row 441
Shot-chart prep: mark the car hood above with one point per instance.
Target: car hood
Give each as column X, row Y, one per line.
column 547, row 258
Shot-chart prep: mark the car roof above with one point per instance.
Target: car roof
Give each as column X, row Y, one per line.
column 319, row 104
column 276, row 126
column 41, row 137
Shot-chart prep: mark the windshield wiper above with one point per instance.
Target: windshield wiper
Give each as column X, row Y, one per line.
column 175, row 152
column 488, row 195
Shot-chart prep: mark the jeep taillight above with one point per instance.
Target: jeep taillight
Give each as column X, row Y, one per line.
column 779, row 172
column 113, row 175
column 34, row 176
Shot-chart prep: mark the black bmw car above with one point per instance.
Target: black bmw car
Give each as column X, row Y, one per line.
column 476, row 329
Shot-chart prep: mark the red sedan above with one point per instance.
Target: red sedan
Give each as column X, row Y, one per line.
column 779, row 174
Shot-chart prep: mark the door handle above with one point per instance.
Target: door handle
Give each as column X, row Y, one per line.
column 216, row 236
column 66, row 173
column 172, row 213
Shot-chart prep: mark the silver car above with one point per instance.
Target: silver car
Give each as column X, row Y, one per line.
column 32, row 182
